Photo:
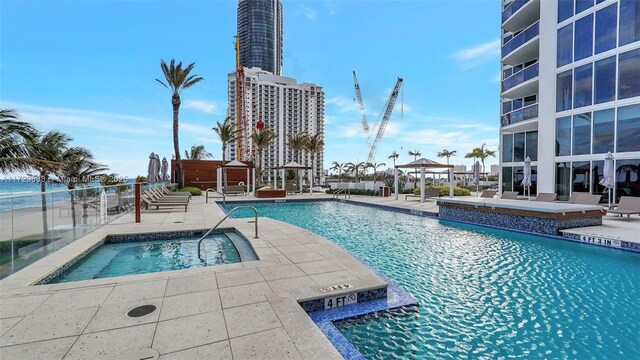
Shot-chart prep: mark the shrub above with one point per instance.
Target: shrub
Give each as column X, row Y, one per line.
column 355, row 192
column 192, row 190
column 141, row 179
column 444, row 190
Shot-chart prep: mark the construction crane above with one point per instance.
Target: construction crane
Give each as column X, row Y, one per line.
column 240, row 116
column 363, row 116
column 388, row 109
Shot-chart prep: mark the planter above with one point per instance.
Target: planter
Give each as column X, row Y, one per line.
column 262, row 194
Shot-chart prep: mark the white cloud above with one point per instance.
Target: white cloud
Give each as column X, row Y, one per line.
column 309, row 13
column 496, row 78
column 342, row 104
column 477, row 55
column 202, row 105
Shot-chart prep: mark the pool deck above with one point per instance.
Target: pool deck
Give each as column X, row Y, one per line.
column 236, row 311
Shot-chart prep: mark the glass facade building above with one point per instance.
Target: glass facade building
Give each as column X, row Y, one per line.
column 586, row 92
column 260, row 31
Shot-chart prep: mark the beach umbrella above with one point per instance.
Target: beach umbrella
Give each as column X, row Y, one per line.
column 150, row 169
column 156, row 167
column 608, row 177
column 476, row 176
column 103, row 207
column 164, row 175
column 526, row 179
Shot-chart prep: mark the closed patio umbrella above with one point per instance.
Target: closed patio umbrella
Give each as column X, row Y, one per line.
column 608, row 177
column 156, row 167
column 151, row 172
column 164, row 169
column 103, row 207
column 476, row 176
column 526, row 179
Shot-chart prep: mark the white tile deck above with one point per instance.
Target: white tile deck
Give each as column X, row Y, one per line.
column 240, row 311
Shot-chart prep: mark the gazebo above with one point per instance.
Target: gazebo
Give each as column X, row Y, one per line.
column 290, row 166
column 423, row 164
column 235, row 164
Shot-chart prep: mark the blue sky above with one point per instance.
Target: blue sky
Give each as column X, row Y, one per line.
column 88, row 68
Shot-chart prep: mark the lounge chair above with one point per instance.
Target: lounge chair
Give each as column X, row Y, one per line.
column 291, row 188
column 510, row 195
column 165, row 190
column 428, row 193
column 546, row 197
column 233, row 190
column 575, row 196
column 588, row 199
column 155, row 196
column 146, row 202
column 488, row 194
column 628, row 205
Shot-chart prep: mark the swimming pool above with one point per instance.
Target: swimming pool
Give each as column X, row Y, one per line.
column 483, row 293
column 168, row 253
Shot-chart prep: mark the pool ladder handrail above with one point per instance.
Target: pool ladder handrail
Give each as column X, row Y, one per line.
column 225, row 217
column 345, row 191
column 224, row 197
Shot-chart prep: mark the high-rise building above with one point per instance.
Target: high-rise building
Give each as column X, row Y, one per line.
column 285, row 107
column 260, row 30
column 570, row 93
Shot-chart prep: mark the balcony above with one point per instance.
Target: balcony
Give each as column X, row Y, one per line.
column 522, row 114
column 520, row 84
column 520, row 14
column 529, row 51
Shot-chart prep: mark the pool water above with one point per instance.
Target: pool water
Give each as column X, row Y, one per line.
column 483, row 293
column 141, row 257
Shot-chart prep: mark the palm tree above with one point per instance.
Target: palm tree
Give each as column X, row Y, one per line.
column 177, row 79
column 45, row 152
column 77, row 167
column 227, row 133
column 261, row 139
column 415, row 155
column 446, row 153
column 375, row 167
column 338, row 167
column 197, row 153
column 483, row 154
column 313, row 145
column 352, row 168
column 296, row 142
column 394, row 155
column 14, row 135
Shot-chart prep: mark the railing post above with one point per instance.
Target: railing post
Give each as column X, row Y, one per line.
column 137, row 202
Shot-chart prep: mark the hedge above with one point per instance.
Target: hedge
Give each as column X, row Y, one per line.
column 444, row 190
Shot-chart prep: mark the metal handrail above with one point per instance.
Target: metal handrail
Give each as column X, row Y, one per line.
column 345, row 191
column 224, row 197
column 224, row 218
column 335, row 194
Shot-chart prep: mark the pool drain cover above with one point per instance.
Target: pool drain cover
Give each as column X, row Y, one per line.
column 141, row 311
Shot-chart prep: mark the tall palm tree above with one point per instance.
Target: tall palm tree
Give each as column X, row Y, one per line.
column 415, row 155
column 45, row 152
column 313, row 145
column 352, row 168
column 227, row 133
column 197, row 153
column 446, row 153
column 338, row 167
column 177, row 79
column 261, row 139
column 296, row 143
column 394, row 155
column 14, row 135
column 483, row 153
column 77, row 167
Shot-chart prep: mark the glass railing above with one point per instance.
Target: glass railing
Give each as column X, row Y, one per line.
column 517, row 41
column 521, row 76
column 34, row 225
column 512, row 8
column 525, row 113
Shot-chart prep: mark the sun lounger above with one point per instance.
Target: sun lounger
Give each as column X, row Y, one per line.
column 233, row 190
column 488, row 194
column 575, row 196
column 146, row 203
column 158, row 193
column 291, row 188
column 154, row 196
column 588, row 199
column 546, row 197
column 628, row 205
column 428, row 193
column 165, row 190
column 511, row 195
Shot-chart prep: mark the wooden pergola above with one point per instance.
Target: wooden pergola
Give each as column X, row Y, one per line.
column 423, row 164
